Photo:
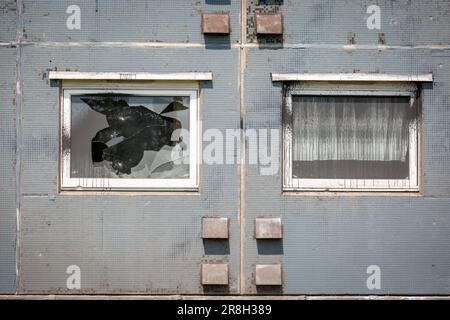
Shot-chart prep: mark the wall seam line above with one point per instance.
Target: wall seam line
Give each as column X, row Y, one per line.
column 182, row 45
column 242, row 62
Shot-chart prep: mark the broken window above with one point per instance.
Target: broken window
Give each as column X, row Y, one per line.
column 351, row 140
column 129, row 139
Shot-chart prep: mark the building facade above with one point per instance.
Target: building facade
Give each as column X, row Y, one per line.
column 317, row 145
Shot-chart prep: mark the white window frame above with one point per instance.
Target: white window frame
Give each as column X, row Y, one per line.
column 386, row 185
column 68, row 183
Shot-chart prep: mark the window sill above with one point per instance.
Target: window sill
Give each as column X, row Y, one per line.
column 192, row 192
column 352, row 193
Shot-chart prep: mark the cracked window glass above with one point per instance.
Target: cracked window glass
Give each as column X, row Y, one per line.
column 129, row 136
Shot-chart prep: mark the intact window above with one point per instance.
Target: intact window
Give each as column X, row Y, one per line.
column 351, row 140
column 129, row 139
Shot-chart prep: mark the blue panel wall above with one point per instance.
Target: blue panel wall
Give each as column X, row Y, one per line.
column 150, row 243
column 7, row 171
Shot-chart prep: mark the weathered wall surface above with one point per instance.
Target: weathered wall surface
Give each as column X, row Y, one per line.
column 329, row 241
column 8, row 75
column 132, row 243
column 151, row 243
column 8, row 23
column 136, row 243
column 7, row 172
column 400, row 233
column 172, row 21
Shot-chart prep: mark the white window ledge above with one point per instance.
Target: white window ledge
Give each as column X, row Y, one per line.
column 352, row 77
column 73, row 75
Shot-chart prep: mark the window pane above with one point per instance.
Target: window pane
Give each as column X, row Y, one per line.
column 351, row 137
column 129, row 136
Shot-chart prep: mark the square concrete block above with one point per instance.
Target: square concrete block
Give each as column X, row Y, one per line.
column 268, row 228
column 214, row 273
column 214, row 228
column 268, row 275
column 218, row 23
column 269, row 23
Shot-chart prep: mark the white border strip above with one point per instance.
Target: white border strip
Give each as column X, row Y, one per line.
column 337, row 185
column 351, row 77
column 74, row 75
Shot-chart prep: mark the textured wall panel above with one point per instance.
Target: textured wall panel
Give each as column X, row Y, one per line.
column 143, row 243
column 7, row 171
column 330, row 241
column 8, row 20
column 136, row 21
column 403, row 22
column 152, row 243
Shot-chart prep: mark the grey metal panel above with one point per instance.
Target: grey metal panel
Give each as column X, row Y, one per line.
column 8, row 20
column 146, row 244
column 7, row 171
column 330, row 241
column 329, row 22
column 122, row 243
column 137, row 21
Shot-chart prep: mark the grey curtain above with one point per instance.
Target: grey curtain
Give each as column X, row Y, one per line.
column 369, row 128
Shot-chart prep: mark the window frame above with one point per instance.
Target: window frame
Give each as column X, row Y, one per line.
column 351, row 185
column 115, row 184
